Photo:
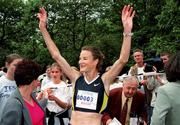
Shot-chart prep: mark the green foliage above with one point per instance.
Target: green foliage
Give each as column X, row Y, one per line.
column 167, row 37
column 75, row 23
column 10, row 14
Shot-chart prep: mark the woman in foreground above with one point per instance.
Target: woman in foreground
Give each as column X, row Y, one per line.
column 22, row 108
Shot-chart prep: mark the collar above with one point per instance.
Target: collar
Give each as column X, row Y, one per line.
column 91, row 80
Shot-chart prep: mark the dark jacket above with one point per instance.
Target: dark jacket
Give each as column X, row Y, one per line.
column 114, row 105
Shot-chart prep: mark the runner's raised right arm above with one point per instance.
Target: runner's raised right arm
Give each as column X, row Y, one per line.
column 66, row 68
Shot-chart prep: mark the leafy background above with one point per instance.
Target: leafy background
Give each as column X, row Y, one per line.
column 75, row 23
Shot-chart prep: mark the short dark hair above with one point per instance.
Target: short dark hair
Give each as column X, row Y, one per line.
column 165, row 54
column 26, row 71
column 96, row 53
column 172, row 68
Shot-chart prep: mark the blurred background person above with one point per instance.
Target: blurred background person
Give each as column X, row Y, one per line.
column 167, row 107
column 118, row 81
column 3, row 71
column 45, row 77
column 7, row 83
column 59, row 97
column 153, row 87
column 21, row 107
column 165, row 57
column 159, row 79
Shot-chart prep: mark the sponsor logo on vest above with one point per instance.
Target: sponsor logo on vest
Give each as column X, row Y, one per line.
column 96, row 84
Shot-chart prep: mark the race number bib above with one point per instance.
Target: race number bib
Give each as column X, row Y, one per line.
column 133, row 121
column 86, row 99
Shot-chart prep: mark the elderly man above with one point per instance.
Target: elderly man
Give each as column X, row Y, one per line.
column 128, row 96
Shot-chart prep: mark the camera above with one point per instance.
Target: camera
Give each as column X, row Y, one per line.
column 156, row 62
column 148, row 68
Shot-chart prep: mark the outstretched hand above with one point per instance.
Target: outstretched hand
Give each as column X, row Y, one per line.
column 42, row 15
column 127, row 18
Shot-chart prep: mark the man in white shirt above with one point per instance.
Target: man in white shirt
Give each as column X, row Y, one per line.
column 138, row 70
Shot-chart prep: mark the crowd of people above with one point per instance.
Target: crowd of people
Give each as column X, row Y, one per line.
column 65, row 95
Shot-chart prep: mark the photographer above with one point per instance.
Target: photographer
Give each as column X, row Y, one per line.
column 159, row 79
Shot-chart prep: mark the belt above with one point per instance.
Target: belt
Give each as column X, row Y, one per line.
column 51, row 116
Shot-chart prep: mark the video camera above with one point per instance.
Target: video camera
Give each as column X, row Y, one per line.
column 156, row 62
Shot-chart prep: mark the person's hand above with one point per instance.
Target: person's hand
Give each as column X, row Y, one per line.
column 144, row 82
column 108, row 121
column 145, row 123
column 39, row 95
column 42, row 15
column 51, row 97
column 127, row 18
column 160, row 80
column 49, row 91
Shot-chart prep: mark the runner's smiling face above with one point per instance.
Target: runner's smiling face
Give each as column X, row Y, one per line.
column 86, row 61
